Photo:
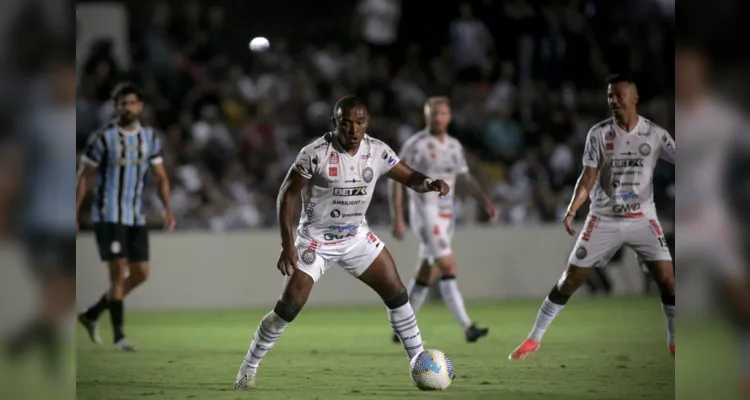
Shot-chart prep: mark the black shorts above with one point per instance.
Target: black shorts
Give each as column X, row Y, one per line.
column 121, row 241
column 51, row 254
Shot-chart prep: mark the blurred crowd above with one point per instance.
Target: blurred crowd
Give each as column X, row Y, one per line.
column 526, row 81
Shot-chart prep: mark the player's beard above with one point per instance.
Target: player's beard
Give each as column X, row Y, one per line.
column 127, row 118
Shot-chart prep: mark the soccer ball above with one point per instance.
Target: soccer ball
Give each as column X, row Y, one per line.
column 432, row 370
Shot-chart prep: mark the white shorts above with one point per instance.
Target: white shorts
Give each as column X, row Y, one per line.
column 354, row 255
column 602, row 236
column 435, row 235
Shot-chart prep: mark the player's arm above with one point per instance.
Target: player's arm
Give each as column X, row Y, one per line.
column 161, row 179
column 586, row 181
column 290, row 190
column 416, row 180
column 11, row 181
column 583, row 188
column 667, row 152
column 396, row 200
column 90, row 160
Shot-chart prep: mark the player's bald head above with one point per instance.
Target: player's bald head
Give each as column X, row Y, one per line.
column 346, row 104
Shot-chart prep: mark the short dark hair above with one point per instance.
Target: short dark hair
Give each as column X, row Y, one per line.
column 348, row 102
column 620, row 77
column 124, row 89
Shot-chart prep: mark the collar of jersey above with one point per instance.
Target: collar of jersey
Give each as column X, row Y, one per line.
column 130, row 133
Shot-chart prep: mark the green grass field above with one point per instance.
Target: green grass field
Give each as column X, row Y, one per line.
column 596, row 349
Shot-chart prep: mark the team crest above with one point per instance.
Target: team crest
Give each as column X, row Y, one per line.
column 610, row 136
column 333, row 158
column 308, row 257
column 115, row 247
column 644, row 149
column 367, row 175
column 581, row 253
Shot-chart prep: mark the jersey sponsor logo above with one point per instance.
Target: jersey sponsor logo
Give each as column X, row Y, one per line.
column 367, row 174
column 586, row 235
column 617, row 183
column 626, row 162
column 366, row 156
column 626, row 208
column 333, row 171
column 349, row 202
column 321, row 145
column 644, row 149
column 353, row 180
column 371, row 237
column 354, row 191
column 626, row 196
column 385, row 155
column 343, row 228
column 392, row 161
column 309, row 209
column 644, row 134
column 339, row 214
column 610, row 147
column 668, row 144
column 334, row 236
column 627, row 173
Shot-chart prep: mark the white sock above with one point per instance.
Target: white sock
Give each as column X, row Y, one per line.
column 417, row 294
column 455, row 302
column 669, row 312
column 547, row 312
column 269, row 331
column 404, row 323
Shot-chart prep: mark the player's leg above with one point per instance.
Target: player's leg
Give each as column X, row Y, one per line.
column 110, row 240
column 647, row 239
column 294, row 297
column 53, row 261
column 419, row 288
column 454, row 300
column 371, row 263
column 419, row 285
column 596, row 244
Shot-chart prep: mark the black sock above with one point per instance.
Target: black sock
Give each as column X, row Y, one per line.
column 95, row 310
column 667, row 299
column 558, row 298
column 116, row 311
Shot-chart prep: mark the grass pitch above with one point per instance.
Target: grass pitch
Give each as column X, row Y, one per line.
column 596, row 349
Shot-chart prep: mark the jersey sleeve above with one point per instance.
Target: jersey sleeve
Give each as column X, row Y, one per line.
column 667, row 152
column 387, row 159
column 591, row 150
column 155, row 156
column 95, row 150
column 306, row 163
column 462, row 166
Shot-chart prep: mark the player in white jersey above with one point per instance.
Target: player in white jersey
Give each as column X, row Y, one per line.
column 710, row 203
column 618, row 164
column 440, row 155
column 336, row 176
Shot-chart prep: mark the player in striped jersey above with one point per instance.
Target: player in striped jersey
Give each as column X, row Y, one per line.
column 118, row 158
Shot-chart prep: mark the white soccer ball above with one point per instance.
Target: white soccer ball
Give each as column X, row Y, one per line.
column 432, row 370
column 259, row 44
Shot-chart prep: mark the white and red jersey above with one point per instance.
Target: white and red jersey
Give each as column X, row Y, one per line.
column 625, row 162
column 341, row 185
column 438, row 159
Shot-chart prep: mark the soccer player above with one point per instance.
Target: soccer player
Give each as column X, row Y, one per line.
column 40, row 158
column 119, row 157
column 713, row 218
column 618, row 164
column 336, row 176
column 431, row 217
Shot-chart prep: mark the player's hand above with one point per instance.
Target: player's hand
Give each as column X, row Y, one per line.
column 490, row 209
column 439, row 186
column 169, row 221
column 288, row 260
column 568, row 223
column 398, row 229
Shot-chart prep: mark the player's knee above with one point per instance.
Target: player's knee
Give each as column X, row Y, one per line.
column 424, row 274
column 286, row 312
column 139, row 275
column 572, row 279
column 447, row 266
column 398, row 301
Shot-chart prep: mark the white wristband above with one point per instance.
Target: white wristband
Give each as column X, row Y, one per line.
column 426, row 184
